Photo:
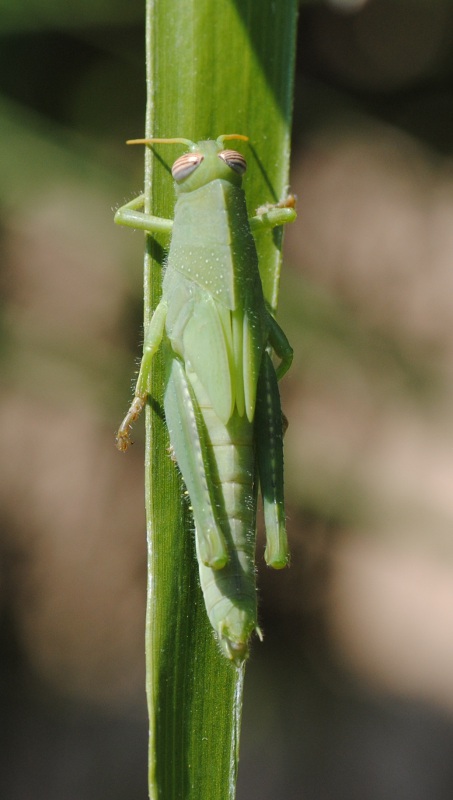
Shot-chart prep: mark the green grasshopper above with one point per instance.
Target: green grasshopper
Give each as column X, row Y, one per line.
column 221, row 401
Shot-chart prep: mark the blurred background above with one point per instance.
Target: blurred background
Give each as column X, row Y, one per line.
column 351, row 694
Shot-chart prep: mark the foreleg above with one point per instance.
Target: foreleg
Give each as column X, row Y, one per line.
column 131, row 216
column 271, row 215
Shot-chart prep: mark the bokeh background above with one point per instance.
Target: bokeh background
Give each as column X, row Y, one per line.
column 350, row 697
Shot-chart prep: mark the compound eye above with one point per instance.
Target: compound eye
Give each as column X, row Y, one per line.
column 185, row 165
column 234, row 160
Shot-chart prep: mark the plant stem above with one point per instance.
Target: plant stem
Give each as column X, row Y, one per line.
column 212, row 68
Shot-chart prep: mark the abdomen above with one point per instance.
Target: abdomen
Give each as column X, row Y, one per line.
column 230, row 592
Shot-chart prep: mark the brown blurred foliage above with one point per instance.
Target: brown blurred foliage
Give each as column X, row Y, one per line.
column 351, row 694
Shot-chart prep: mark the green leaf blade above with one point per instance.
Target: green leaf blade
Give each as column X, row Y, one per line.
column 213, row 68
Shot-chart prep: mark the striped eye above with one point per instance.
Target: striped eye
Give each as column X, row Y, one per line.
column 185, row 165
column 234, row 160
